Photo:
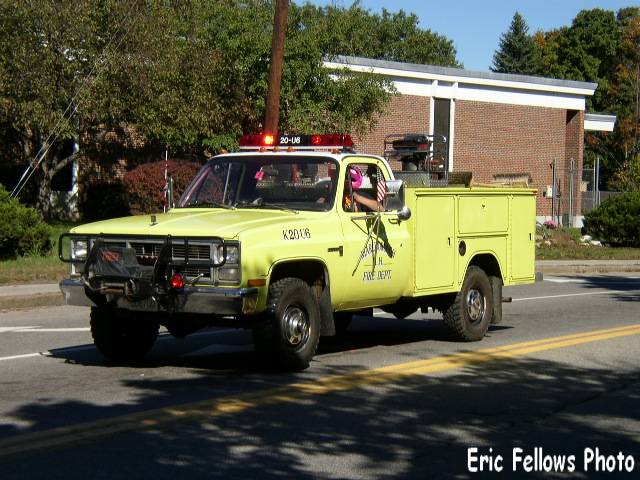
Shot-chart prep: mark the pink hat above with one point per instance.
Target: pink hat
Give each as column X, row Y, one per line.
column 356, row 177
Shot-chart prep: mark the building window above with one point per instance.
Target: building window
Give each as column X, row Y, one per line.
column 441, row 126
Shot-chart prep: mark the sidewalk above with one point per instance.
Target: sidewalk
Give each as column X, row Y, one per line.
column 48, row 294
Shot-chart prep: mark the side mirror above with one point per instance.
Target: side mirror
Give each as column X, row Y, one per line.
column 394, row 199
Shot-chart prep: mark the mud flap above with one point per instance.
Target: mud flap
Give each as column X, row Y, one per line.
column 496, row 288
column 327, row 325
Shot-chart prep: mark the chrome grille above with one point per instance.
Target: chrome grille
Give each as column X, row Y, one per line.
column 194, row 271
column 196, row 252
column 146, row 248
column 147, row 253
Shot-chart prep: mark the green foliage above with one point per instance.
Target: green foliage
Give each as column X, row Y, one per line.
column 627, row 177
column 22, row 230
column 356, row 31
column 144, row 184
column 189, row 75
column 587, row 51
column 517, row 52
column 603, row 47
column 616, row 221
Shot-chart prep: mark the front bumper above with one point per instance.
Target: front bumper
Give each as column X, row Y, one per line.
column 200, row 300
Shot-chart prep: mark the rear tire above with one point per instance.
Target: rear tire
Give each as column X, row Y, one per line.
column 469, row 316
column 121, row 337
column 288, row 334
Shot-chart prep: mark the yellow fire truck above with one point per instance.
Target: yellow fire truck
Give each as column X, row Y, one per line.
column 290, row 237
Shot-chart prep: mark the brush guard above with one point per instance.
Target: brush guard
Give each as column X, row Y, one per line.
column 112, row 274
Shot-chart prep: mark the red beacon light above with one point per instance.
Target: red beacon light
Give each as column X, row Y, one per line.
column 297, row 142
column 177, row 281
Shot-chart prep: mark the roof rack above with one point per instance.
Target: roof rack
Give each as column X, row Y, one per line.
column 424, row 158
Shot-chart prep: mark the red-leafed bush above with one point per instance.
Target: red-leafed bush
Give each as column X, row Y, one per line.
column 144, row 184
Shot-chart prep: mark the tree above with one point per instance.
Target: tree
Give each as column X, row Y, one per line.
column 517, row 51
column 127, row 77
column 588, row 50
column 43, row 54
column 394, row 36
column 603, row 47
column 626, row 82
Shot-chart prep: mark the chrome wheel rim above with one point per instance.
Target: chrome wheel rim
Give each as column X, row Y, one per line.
column 297, row 327
column 475, row 305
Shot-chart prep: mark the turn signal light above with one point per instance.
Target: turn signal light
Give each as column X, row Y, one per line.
column 177, row 282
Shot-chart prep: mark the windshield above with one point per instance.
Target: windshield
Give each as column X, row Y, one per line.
column 278, row 182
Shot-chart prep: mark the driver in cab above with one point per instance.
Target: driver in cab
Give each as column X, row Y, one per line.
column 355, row 199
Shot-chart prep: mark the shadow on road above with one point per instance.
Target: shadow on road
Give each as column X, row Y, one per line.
column 365, row 332
column 416, row 426
column 627, row 289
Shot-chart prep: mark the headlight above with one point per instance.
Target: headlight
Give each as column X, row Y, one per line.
column 229, row 274
column 79, row 249
column 233, row 254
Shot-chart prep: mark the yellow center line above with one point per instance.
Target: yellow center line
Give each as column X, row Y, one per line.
column 235, row 404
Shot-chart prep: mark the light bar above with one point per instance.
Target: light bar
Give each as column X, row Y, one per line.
column 296, row 142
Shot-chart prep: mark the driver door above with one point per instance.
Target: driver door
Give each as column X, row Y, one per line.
column 375, row 262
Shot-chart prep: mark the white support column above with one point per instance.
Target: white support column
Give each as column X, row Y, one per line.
column 432, row 105
column 452, row 123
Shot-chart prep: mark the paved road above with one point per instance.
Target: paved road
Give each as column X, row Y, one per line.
column 392, row 399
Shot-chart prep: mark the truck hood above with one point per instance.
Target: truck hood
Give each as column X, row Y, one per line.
column 190, row 222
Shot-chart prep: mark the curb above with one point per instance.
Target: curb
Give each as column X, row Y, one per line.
column 587, row 269
column 19, row 302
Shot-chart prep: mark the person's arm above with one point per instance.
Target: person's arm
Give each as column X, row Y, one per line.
column 370, row 203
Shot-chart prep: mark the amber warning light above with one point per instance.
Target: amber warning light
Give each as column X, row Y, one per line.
column 297, row 142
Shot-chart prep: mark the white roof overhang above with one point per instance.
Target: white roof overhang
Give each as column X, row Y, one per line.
column 460, row 84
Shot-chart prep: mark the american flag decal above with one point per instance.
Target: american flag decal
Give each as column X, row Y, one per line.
column 382, row 189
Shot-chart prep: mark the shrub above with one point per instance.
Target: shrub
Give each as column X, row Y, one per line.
column 144, row 184
column 616, row 221
column 22, row 229
column 102, row 200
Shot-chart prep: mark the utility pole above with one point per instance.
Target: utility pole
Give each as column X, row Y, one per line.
column 272, row 114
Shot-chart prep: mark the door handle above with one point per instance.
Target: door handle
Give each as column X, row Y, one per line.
column 336, row 249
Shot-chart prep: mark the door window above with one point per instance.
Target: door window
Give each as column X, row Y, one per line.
column 363, row 189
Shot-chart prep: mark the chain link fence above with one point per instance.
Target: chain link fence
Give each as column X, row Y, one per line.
column 575, row 192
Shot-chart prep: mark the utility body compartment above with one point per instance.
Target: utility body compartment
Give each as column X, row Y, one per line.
column 450, row 227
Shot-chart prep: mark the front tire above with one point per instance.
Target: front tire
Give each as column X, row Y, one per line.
column 469, row 316
column 119, row 336
column 289, row 332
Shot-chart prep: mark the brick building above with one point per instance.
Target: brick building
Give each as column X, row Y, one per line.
column 498, row 126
